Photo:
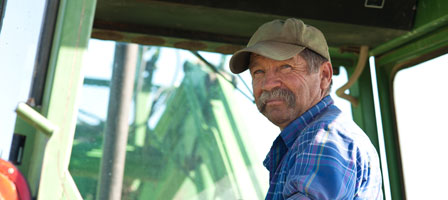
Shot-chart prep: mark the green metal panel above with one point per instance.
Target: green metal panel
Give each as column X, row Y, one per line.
column 391, row 139
column 230, row 25
column 28, row 120
column 142, row 95
column 25, row 129
column 421, row 31
column 364, row 113
column 436, row 41
column 431, row 15
column 49, row 160
column 429, row 10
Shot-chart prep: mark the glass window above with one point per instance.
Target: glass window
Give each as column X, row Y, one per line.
column 20, row 26
column 420, row 102
column 192, row 133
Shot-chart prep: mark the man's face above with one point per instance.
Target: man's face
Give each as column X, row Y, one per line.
column 284, row 90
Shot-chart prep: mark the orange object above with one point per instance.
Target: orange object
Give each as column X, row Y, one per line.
column 13, row 185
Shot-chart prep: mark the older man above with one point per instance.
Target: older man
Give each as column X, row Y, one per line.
column 318, row 154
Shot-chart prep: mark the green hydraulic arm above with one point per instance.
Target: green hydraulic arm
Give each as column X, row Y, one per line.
column 197, row 147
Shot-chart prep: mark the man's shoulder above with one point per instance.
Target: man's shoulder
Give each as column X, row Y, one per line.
column 337, row 124
column 336, row 140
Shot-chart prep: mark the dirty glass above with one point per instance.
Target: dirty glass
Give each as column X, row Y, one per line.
column 420, row 102
column 194, row 132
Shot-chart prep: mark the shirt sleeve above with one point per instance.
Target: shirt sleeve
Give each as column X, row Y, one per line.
column 322, row 167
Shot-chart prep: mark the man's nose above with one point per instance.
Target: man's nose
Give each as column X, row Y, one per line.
column 272, row 80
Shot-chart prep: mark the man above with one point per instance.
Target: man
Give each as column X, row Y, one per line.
column 318, row 154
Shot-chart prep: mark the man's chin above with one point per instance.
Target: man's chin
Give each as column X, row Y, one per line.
column 278, row 118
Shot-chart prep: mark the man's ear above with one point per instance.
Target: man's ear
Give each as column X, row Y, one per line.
column 326, row 74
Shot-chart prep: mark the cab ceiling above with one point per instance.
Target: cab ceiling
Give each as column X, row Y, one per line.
column 225, row 26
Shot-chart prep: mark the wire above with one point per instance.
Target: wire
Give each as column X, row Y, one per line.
column 91, row 115
column 214, row 69
column 244, row 82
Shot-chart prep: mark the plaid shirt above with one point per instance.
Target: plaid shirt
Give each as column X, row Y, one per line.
column 322, row 156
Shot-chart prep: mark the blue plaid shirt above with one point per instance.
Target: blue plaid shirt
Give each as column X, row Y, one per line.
column 320, row 155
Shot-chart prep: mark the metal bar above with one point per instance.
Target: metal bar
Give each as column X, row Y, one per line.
column 44, row 51
column 355, row 76
column 337, row 53
column 50, row 158
column 143, row 95
column 391, row 137
column 212, row 67
column 35, row 119
column 96, row 82
column 431, row 45
column 215, row 70
column 2, row 12
column 117, row 125
column 380, row 132
column 440, row 22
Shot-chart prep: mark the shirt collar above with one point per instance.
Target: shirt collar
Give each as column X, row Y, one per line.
column 287, row 137
column 292, row 131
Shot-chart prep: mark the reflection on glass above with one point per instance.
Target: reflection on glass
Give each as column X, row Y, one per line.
column 192, row 135
column 184, row 142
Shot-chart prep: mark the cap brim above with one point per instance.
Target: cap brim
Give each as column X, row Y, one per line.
column 270, row 49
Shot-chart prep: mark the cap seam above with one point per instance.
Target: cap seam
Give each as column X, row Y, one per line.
column 295, row 32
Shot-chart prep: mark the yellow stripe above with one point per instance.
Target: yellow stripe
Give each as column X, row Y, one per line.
column 318, row 163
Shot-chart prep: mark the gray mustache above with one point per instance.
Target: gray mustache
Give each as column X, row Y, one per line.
column 277, row 93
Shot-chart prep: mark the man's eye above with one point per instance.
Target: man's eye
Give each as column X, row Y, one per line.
column 286, row 67
column 258, row 71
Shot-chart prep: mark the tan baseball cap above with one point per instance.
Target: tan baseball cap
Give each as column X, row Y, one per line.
column 280, row 40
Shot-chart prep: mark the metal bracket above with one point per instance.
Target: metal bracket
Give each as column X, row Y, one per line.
column 363, row 54
column 374, row 4
column 35, row 119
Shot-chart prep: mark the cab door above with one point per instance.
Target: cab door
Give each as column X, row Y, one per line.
column 42, row 44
